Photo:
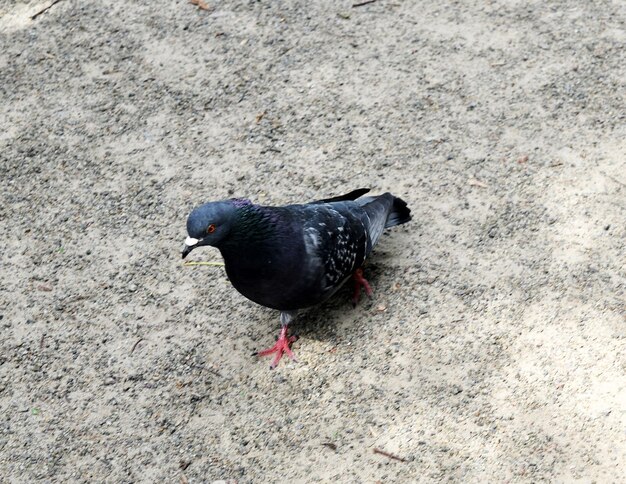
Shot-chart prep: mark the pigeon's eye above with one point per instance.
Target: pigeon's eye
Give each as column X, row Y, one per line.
column 210, row 229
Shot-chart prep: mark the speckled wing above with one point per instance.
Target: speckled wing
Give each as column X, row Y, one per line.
column 336, row 243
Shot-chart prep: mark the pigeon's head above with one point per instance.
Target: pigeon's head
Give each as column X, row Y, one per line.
column 208, row 224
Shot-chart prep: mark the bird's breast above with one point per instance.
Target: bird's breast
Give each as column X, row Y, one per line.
column 275, row 279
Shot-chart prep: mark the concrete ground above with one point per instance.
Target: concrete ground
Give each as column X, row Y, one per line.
column 494, row 349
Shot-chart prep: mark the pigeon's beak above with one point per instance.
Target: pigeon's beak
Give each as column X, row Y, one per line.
column 190, row 244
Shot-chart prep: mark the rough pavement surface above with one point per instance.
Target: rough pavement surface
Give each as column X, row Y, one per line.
column 494, row 348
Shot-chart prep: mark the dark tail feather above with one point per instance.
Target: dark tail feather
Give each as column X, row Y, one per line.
column 353, row 195
column 384, row 211
column 399, row 214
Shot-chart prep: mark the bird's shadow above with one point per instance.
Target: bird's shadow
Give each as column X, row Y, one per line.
column 324, row 321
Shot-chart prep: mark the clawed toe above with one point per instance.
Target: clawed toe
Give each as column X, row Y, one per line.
column 281, row 346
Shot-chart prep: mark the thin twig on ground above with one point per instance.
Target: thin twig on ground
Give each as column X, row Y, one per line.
column 387, row 454
column 192, row 263
column 135, row 345
column 367, row 2
column 45, row 9
column 614, row 179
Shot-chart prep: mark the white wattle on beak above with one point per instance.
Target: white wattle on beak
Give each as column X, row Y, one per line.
column 190, row 244
column 190, row 241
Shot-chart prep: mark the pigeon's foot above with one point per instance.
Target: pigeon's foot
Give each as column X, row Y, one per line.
column 281, row 346
column 359, row 281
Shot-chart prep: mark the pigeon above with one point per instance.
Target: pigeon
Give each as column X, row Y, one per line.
column 296, row 256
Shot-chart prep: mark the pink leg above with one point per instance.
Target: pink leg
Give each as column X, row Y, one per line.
column 281, row 346
column 359, row 281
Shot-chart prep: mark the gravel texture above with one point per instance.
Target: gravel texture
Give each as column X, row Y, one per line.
column 494, row 348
